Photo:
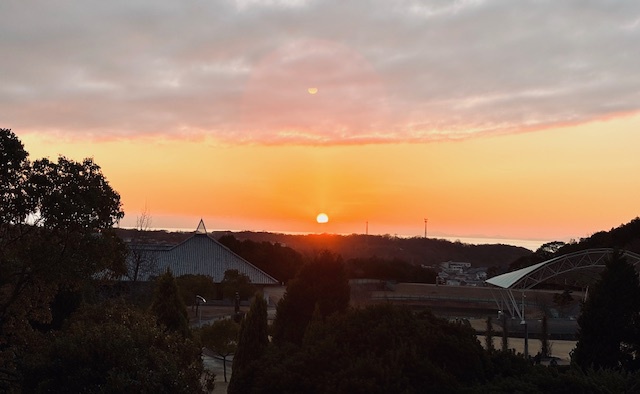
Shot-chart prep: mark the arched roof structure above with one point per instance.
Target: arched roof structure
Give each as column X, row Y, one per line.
column 529, row 277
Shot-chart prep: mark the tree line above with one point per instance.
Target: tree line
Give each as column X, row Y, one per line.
column 321, row 345
column 283, row 262
column 626, row 236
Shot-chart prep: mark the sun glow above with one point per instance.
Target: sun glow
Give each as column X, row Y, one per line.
column 322, row 218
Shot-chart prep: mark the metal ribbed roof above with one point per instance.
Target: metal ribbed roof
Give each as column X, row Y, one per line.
column 529, row 277
column 202, row 255
column 507, row 280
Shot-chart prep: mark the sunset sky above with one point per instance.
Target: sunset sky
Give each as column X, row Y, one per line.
column 508, row 119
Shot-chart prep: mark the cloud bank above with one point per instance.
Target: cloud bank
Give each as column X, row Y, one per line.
column 385, row 71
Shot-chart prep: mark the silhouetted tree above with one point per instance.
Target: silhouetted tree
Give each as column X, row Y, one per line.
column 222, row 338
column 56, row 220
column 234, row 282
column 608, row 334
column 549, row 249
column 277, row 260
column 545, row 347
column 168, row 306
column 544, row 252
column 14, row 174
column 488, row 340
column 252, row 343
column 322, row 281
column 505, row 333
column 377, row 349
column 113, row 348
column 141, row 261
column 192, row 285
column 389, row 269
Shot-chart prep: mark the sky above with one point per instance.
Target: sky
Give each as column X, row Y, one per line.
column 498, row 119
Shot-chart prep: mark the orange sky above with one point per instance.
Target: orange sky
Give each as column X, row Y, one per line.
column 455, row 111
column 558, row 183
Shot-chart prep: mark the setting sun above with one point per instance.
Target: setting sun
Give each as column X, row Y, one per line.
column 322, row 218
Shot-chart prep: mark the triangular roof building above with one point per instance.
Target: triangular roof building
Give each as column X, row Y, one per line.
column 200, row 254
column 201, row 228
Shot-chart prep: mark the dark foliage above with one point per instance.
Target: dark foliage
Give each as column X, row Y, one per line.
column 389, row 269
column 191, row 285
column 221, row 338
column 277, row 260
column 545, row 346
column 544, row 252
column 168, row 306
column 514, row 374
column 609, row 333
column 268, row 252
column 379, row 349
column 235, row 282
column 55, row 236
column 390, row 349
column 113, row 348
column 15, row 170
column 417, row 251
column 322, row 282
column 252, row 343
column 488, row 340
column 625, row 236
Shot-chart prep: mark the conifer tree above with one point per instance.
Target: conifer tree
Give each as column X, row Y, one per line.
column 252, row 342
column 608, row 336
column 322, row 282
column 489, row 336
column 168, row 306
column 505, row 333
column 545, row 346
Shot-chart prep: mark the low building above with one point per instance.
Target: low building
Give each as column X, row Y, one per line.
column 200, row 254
column 455, row 273
column 454, row 266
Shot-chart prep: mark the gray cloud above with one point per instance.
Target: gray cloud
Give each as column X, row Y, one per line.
column 385, row 70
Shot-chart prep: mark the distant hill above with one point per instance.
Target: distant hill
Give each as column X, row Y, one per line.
column 626, row 236
column 416, row 251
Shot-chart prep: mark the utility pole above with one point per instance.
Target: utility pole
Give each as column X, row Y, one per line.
column 425, row 227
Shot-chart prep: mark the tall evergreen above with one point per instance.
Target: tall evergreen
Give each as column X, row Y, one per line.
column 321, row 282
column 505, row 333
column 608, row 336
column 488, row 340
column 545, row 346
column 168, row 306
column 252, row 342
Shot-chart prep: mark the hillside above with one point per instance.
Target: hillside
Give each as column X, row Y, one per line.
column 416, row 251
column 626, row 236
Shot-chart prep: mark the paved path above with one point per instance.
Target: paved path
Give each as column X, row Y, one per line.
column 215, row 365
